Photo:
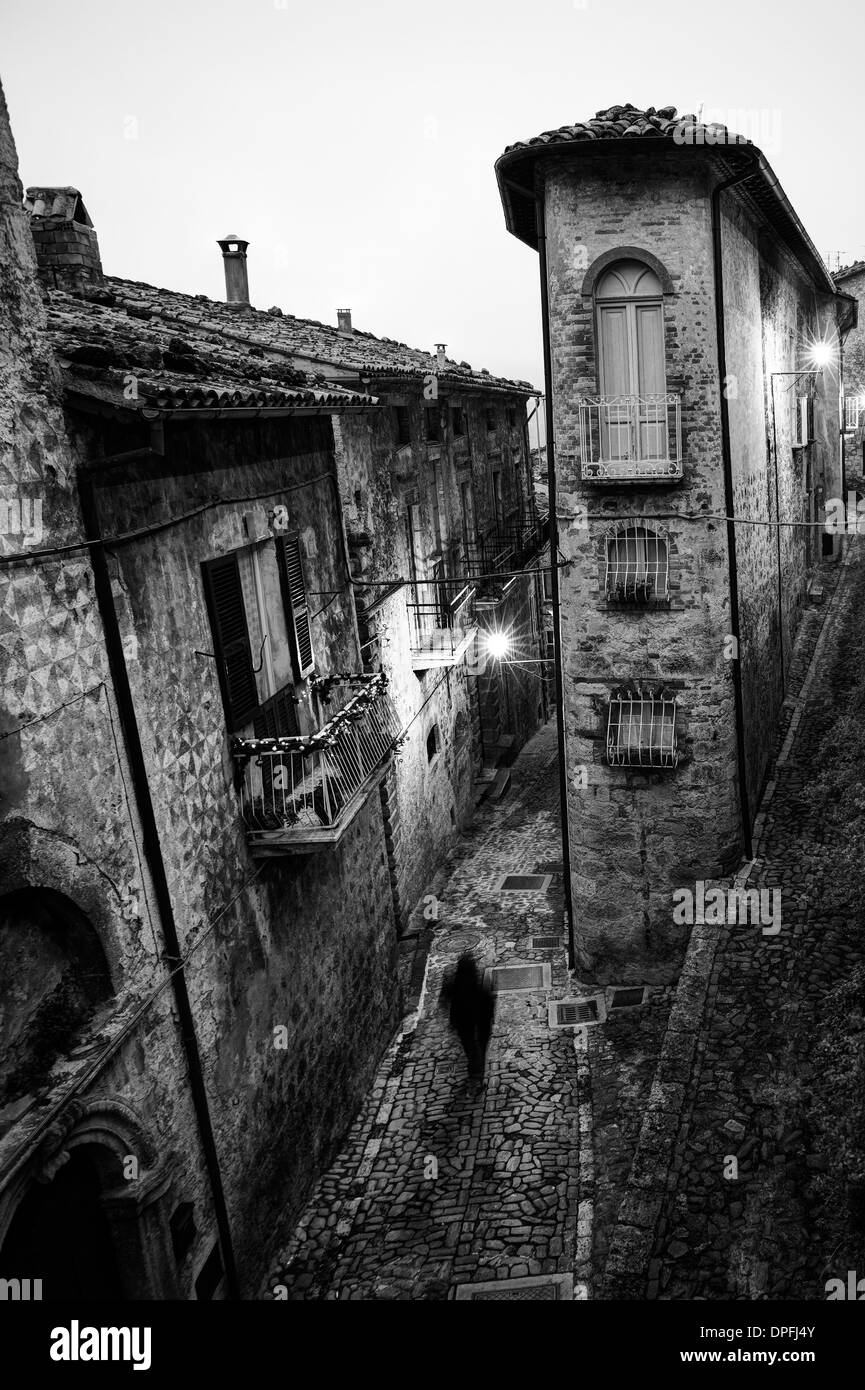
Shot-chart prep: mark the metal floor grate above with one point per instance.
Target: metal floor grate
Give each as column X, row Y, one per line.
column 549, row 1288
column 524, row 883
column 628, row 998
column 513, row 979
column 570, row 1013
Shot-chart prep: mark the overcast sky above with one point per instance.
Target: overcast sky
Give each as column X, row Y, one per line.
column 353, row 144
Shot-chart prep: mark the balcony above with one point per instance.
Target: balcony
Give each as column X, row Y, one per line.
column 631, row 439
column 299, row 794
column 504, row 550
column 441, row 623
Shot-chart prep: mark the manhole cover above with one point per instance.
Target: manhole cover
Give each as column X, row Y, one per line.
column 545, row 943
column 524, row 883
column 566, row 1013
column 508, row 979
column 548, row 1288
column 458, row 941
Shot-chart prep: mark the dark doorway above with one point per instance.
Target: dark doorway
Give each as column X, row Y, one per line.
column 60, row 1234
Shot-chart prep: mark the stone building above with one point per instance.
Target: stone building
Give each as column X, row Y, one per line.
column 436, row 490
column 851, row 280
column 219, row 795
column 687, row 316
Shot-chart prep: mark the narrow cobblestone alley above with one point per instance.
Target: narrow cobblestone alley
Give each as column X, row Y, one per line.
column 445, row 1182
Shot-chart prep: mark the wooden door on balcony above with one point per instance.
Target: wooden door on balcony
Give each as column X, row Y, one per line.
column 630, row 327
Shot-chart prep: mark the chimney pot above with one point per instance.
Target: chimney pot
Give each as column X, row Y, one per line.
column 343, row 319
column 67, row 252
column 236, row 278
column 440, row 356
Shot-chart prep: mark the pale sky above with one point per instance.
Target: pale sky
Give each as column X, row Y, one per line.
column 353, row 144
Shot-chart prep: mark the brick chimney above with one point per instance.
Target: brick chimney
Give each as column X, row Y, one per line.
column 236, row 279
column 67, row 251
column 440, row 356
column 343, row 319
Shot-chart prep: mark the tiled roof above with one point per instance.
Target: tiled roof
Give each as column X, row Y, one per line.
column 856, row 268
column 627, row 122
column 137, row 362
column 616, row 126
column 283, row 335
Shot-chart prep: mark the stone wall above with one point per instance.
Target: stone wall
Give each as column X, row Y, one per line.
column 428, row 799
column 636, row 835
column 304, row 943
column 69, row 823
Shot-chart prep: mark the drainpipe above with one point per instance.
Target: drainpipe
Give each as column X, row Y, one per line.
column 554, row 576
column 155, row 861
column 729, row 501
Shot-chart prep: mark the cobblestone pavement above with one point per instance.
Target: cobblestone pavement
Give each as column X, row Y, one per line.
column 445, row 1181
column 750, row 1236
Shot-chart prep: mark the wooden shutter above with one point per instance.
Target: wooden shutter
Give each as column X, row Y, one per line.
column 277, row 717
column 296, row 606
column 231, row 638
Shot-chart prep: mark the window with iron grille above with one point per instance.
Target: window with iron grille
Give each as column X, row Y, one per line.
column 641, row 731
column 491, row 419
column 433, row 423
column 458, row 421
column 851, row 412
column 637, row 564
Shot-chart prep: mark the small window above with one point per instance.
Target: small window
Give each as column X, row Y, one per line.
column 458, row 423
column 641, row 731
column 403, row 426
column 637, row 568
column 432, row 743
column 491, row 420
column 851, row 413
column 803, row 421
column 433, row 424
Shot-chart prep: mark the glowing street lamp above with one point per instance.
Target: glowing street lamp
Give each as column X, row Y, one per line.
column 821, row 352
column 498, row 644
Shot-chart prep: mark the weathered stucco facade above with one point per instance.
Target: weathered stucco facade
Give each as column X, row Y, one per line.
column 665, row 609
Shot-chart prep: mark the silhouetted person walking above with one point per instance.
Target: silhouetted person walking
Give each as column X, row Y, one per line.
column 471, row 1011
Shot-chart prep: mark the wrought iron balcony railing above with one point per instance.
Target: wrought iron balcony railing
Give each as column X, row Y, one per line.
column 631, row 438
column 441, row 622
column 300, row 793
column 510, row 546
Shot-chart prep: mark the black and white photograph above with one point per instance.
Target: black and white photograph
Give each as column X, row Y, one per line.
column 432, row 642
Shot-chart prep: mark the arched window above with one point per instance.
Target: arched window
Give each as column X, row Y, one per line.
column 432, row 743
column 629, row 308
column 637, row 565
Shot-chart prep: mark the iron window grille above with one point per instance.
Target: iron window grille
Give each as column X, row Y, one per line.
column 637, row 565
column 641, row 731
column 851, row 412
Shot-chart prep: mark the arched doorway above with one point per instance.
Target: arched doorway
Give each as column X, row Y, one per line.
column 61, row 1235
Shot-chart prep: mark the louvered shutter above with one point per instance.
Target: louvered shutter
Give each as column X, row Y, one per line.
column 278, row 717
column 231, row 637
column 296, row 607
